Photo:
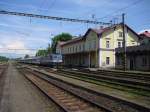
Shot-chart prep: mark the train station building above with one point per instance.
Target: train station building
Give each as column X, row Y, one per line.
column 137, row 57
column 96, row 48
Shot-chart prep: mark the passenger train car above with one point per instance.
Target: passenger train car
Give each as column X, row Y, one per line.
column 50, row 60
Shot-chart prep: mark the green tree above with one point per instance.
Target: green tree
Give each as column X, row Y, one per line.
column 49, row 49
column 60, row 37
column 2, row 58
column 42, row 52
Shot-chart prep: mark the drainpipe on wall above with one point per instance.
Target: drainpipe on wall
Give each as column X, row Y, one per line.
column 89, row 60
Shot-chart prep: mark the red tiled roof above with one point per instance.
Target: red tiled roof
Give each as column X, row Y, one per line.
column 101, row 30
column 98, row 32
column 145, row 34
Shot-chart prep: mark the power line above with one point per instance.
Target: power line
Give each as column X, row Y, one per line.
column 52, row 17
column 114, row 16
column 92, row 10
column 118, row 10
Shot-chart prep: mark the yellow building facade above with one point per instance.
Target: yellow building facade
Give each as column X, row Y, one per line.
column 97, row 47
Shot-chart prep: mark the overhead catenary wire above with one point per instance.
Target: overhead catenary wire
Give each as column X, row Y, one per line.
column 52, row 17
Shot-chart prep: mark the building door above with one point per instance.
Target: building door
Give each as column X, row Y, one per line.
column 132, row 64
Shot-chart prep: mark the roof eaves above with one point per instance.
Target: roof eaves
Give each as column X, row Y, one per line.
column 72, row 41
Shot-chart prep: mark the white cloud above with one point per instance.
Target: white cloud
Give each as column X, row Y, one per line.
column 1, row 46
column 34, row 28
column 15, row 47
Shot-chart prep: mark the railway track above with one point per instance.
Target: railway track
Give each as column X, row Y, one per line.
column 142, row 76
column 66, row 100
column 115, row 78
column 105, row 102
column 128, row 83
column 133, row 86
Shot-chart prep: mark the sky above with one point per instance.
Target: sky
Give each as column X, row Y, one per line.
column 29, row 34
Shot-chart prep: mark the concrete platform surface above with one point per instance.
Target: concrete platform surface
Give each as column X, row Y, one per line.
column 19, row 95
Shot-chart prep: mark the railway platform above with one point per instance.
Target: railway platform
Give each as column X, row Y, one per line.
column 19, row 95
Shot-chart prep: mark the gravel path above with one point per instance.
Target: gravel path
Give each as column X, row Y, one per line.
column 19, row 95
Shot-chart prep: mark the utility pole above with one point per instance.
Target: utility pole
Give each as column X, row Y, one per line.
column 124, row 42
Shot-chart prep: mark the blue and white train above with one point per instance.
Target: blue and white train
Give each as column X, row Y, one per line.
column 50, row 60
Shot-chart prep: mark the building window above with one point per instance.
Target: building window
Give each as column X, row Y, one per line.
column 79, row 47
column 120, row 34
column 89, row 45
column 76, row 48
column 119, row 44
column 83, row 47
column 118, row 61
column 73, row 49
column 144, row 61
column 107, row 44
column 94, row 44
column 107, row 60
